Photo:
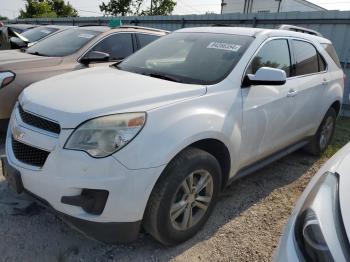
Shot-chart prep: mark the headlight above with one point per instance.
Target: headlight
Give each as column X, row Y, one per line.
column 6, row 78
column 103, row 136
column 319, row 227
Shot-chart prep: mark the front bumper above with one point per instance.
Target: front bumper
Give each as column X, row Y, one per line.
column 107, row 232
column 68, row 173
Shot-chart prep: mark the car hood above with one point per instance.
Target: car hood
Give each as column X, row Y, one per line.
column 78, row 96
column 17, row 60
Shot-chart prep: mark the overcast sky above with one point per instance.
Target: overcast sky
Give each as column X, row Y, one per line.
column 10, row 8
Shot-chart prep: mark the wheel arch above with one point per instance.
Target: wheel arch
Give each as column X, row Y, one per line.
column 221, row 153
column 336, row 106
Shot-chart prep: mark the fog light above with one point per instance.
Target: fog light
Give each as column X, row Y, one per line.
column 92, row 201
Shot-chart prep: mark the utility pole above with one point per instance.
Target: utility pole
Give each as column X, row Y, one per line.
column 151, row 7
column 279, row 6
column 222, row 5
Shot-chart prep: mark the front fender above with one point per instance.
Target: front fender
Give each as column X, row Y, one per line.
column 170, row 129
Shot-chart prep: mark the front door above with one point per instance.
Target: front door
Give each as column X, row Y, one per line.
column 267, row 110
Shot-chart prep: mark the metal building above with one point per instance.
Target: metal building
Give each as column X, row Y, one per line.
column 268, row 6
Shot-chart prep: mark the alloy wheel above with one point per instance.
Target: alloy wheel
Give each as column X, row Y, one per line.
column 326, row 132
column 191, row 200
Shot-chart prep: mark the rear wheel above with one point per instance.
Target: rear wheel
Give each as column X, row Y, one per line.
column 184, row 197
column 323, row 137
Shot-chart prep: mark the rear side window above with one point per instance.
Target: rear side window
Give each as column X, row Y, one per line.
column 321, row 63
column 118, row 46
column 273, row 54
column 306, row 58
column 146, row 39
column 38, row 33
column 332, row 53
column 63, row 43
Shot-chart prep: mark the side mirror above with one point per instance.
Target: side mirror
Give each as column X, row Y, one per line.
column 266, row 76
column 94, row 56
column 17, row 43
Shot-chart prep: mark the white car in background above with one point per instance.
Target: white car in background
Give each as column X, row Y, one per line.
column 319, row 228
column 153, row 140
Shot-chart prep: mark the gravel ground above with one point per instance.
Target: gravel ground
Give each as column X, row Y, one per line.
column 245, row 226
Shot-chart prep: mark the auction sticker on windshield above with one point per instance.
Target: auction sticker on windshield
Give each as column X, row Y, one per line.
column 45, row 31
column 88, row 36
column 224, row 46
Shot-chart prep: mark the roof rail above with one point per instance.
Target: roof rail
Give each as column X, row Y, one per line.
column 87, row 25
column 145, row 28
column 300, row 29
column 221, row 25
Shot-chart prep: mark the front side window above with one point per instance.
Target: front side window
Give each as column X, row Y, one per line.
column 306, row 58
column 118, row 46
column 275, row 54
column 146, row 39
column 197, row 58
column 38, row 33
column 63, row 43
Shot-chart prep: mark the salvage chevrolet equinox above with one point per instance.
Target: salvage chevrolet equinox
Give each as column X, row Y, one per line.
column 150, row 142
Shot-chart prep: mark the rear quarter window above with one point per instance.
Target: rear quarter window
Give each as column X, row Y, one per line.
column 332, row 53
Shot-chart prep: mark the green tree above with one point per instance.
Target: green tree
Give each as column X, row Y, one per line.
column 116, row 7
column 160, row 7
column 3, row 18
column 47, row 8
column 127, row 7
column 62, row 9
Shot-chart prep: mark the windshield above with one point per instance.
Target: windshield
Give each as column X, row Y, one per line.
column 197, row 58
column 63, row 43
column 38, row 33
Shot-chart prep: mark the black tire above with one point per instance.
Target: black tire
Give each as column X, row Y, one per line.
column 316, row 147
column 3, row 126
column 157, row 219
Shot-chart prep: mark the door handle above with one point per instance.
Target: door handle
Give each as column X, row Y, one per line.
column 325, row 82
column 292, row 93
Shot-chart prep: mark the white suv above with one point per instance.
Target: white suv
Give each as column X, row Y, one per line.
column 153, row 140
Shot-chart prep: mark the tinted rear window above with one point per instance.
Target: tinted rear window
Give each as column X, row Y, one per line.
column 306, row 58
column 38, row 33
column 146, row 39
column 63, row 43
column 332, row 53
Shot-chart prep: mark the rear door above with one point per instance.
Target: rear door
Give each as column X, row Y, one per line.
column 309, row 80
column 144, row 39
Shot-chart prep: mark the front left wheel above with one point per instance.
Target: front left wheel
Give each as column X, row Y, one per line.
column 184, row 197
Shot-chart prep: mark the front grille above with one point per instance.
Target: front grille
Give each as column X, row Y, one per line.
column 28, row 154
column 39, row 122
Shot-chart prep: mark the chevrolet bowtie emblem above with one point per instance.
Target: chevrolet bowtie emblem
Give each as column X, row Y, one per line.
column 18, row 133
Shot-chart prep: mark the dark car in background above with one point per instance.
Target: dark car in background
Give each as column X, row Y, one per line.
column 12, row 30
column 69, row 50
column 32, row 36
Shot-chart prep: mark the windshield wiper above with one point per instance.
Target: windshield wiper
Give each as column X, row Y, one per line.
column 164, row 77
column 116, row 65
column 36, row 53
